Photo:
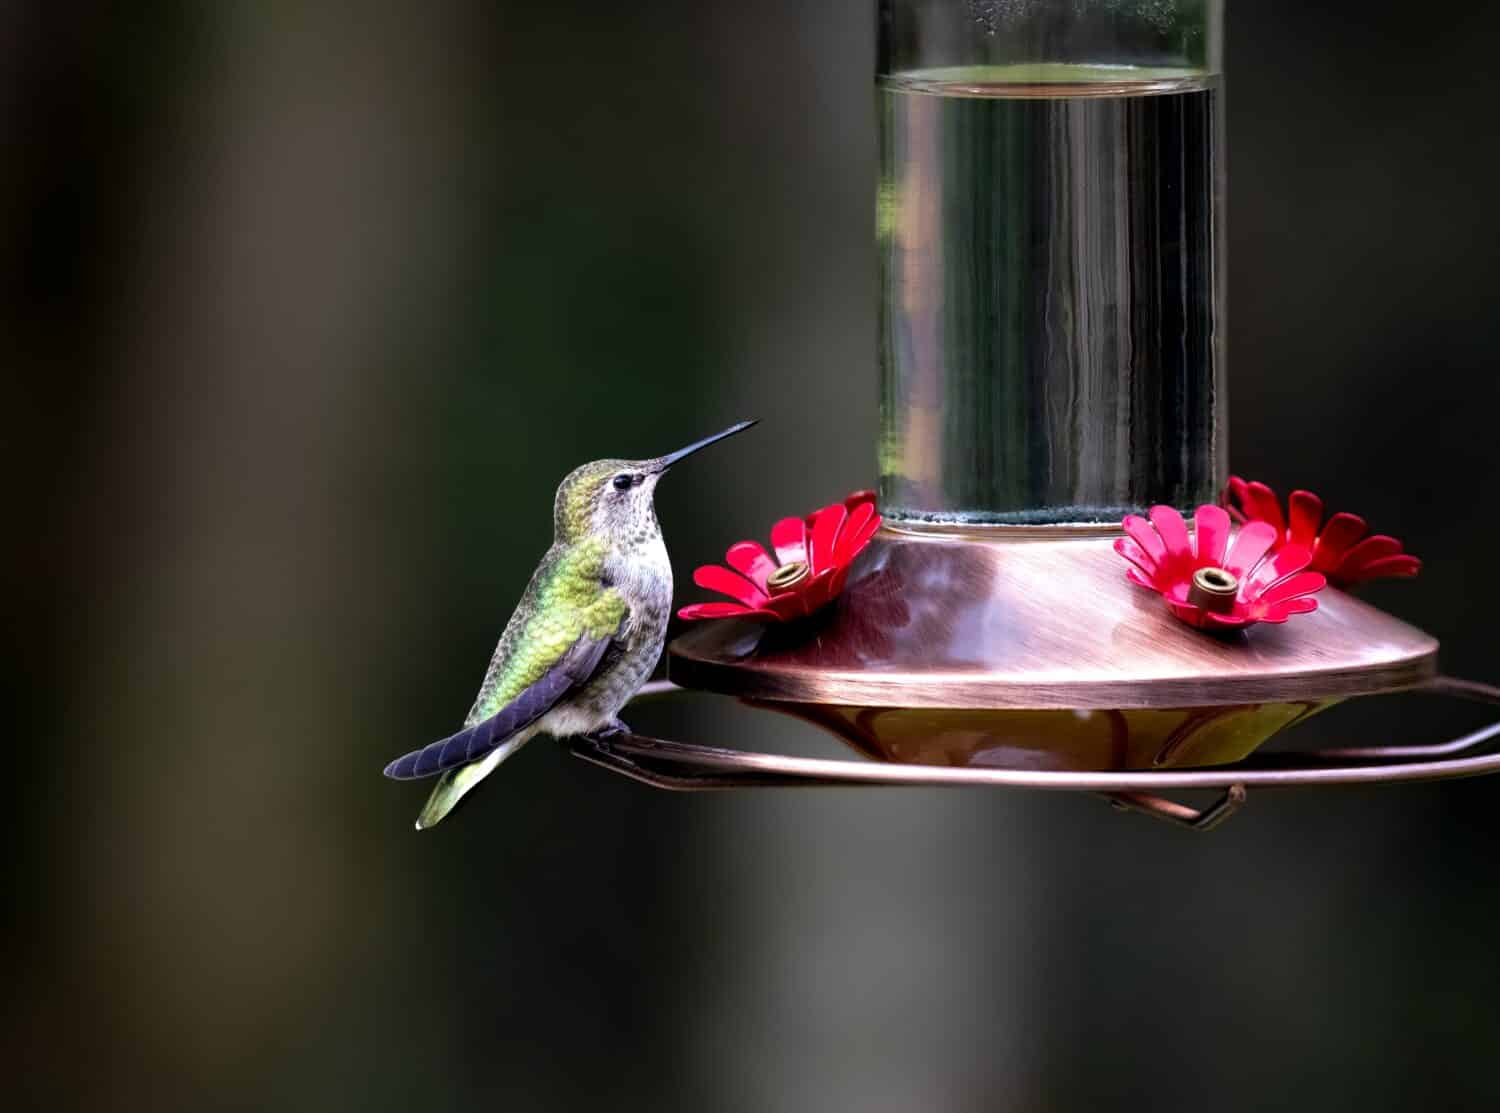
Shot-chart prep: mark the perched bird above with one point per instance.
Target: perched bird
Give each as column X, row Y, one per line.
column 585, row 636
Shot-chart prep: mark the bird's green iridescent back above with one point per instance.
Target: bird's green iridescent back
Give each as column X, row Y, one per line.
column 564, row 599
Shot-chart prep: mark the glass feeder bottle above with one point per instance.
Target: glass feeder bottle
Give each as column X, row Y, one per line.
column 1049, row 222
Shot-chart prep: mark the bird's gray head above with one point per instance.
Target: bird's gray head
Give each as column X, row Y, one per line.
column 613, row 498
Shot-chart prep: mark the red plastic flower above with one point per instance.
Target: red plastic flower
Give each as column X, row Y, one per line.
column 813, row 555
column 1337, row 549
column 1210, row 583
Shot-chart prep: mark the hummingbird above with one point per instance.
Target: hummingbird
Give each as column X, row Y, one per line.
column 584, row 637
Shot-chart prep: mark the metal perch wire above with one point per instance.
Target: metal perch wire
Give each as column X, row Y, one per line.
column 693, row 768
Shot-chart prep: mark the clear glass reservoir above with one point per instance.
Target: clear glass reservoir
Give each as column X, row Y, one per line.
column 1051, row 264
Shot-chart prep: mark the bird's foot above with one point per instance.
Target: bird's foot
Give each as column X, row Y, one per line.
column 613, row 729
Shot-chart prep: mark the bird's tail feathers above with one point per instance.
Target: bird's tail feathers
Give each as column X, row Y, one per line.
column 455, row 784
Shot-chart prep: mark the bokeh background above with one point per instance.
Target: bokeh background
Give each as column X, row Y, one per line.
column 308, row 307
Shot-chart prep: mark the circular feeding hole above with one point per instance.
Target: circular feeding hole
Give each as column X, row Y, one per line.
column 787, row 576
column 1216, row 579
column 1214, row 589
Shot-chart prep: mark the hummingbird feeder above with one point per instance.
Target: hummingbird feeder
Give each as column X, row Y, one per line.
column 1049, row 223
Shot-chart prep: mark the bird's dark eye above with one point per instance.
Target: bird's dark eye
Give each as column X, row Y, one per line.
column 623, row 482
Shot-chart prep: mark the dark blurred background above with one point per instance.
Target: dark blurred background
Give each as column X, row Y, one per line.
column 308, row 308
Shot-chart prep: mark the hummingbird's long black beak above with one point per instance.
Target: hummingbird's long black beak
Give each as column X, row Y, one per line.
column 662, row 463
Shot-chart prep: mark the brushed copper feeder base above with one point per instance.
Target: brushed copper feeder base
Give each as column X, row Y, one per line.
column 1024, row 658
column 1030, row 650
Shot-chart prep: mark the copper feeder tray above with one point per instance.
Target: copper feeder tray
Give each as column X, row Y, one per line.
column 1024, row 659
column 1012, row 618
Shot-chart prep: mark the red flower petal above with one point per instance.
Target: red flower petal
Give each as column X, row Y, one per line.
column 837, row 581
column 867, row 531
column 1402, row 566
column 1337, row 548
column 819, row 593
column 1192, row 615
column 825, row 534
column 1226, row 621
column 827, row 541
column 788, row 606
column 1303, row 583
column 1305, row 511
column 857, row 531
column 713, row 610
column 1139, row 530
column 806, row 598
column 1235, row 498
column 1132, row 552
column 715, row 577
column 1275, row 582
column 1261, row 505
column 754, row 562
column 789, row 539
column 1252, row 543
column 858, row 498
column 1280, row 612
column 1212, row 524
column 1374, row 547
column 1341, row 532
column 1282, row 564
column 1174, row 536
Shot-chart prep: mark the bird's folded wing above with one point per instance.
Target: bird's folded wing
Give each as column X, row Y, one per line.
column 572, row 670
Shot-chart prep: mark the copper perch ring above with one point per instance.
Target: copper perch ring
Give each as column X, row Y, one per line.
column 682, row 767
